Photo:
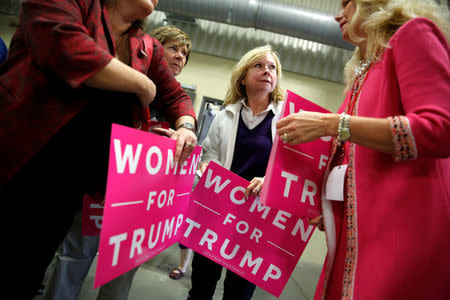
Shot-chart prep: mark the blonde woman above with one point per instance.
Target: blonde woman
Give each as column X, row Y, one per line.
column 388, row 236
column 240, row 139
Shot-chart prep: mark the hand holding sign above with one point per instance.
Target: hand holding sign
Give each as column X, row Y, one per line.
column 261, row 244
column 305, row 126
column 146, row 196
column 294, row 173
column 255, row 186
column 147, row 210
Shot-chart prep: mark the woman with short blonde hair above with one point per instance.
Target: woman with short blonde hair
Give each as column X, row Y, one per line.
column 237, row 91
column 170, row 33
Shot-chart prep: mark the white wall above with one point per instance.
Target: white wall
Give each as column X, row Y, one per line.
column 211, row 76
column 6, row 31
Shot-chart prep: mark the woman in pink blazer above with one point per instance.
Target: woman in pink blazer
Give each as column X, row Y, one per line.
column 388, row 235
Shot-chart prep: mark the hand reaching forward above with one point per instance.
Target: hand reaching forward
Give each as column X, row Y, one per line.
column 186, row 142
column 307, row 126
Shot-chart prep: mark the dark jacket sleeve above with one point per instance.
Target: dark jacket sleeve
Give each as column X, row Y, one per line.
column 170, row 97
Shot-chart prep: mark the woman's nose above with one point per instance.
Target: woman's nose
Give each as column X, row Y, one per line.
column 338, row 17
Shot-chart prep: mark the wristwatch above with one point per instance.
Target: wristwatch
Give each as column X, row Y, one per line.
column 188, row 126
column 343, row 128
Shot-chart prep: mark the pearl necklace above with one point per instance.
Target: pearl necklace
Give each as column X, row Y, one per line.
column 361, row 68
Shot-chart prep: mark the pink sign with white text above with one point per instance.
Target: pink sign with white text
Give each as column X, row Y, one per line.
column 147, row 194
column 259, row 243
column 91, row 217
column 294, row 174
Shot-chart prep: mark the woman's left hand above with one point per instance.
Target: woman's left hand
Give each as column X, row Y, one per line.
column 307, row 126
column 186, row 142
column 254, row 187
column 163, row 131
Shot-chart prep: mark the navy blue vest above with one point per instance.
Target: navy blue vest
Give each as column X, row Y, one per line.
column 252, row 148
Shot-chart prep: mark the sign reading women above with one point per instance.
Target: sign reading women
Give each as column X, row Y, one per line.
column 259, row 243
column 146, row 195
column 149, row 207
column 294, row 174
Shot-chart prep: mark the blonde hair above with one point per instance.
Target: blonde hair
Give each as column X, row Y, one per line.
column 237, row 90
column 380, row 19
column 170, row 33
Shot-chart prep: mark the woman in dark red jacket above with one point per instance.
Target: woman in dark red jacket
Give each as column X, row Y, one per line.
column 74, row 68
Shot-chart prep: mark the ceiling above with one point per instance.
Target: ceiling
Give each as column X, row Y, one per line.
column 297, row 55
column 9, row 7
column 301, row 31
column 302, row 56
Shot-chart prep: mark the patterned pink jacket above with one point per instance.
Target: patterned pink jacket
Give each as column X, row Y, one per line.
column 394, row 239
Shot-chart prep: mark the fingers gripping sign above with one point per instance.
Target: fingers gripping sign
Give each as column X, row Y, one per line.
column 186, row 142
column 305, row 126
column 254, row 188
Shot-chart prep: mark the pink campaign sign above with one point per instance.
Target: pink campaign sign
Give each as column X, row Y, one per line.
column 146, row 196
column 294, row 174
column 259, row 243
column 91, row 217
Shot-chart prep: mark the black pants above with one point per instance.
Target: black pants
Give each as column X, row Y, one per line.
column 40, row 202
column 46, row 194
column 205, row 275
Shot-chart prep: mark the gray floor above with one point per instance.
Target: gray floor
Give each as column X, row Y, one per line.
column 152, row 282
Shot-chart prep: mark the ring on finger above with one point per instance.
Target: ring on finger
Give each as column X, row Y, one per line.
column 188, row 145
column 285, row 137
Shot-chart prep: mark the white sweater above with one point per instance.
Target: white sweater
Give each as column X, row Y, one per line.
column 218, row 146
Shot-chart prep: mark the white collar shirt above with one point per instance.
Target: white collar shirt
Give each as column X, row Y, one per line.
column 250, row 120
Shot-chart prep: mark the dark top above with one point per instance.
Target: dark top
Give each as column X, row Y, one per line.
column 252, row 148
